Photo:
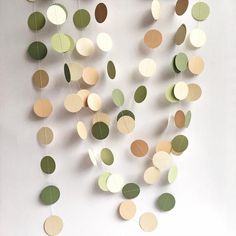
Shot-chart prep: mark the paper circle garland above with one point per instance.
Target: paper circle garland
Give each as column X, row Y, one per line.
column 130, row 190
column 61, row 42
column 40, row 79
column 57, row 14
column 81, row 18
column 148, row 222
column 36, row 21
column 197, row 38
column 166, row 202
column 127, row 209
column 156, row 9
column 104, row 42
column 45, row 136
column 85, row 47
column 48, row 165
column 73, row 71
column 42, row 108
column 111, row 70
column 181, row 7
column 49, row 195
column 90, row 75
column 153, row 38
column 37, row 50
column 101, row 12
column 147, row 67
column 53, row 225
column 200, row 11
column 118, row 97
column 73, row 103
column 100, row 130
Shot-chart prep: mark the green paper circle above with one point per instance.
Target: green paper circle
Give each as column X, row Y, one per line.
column 200, row 11
column 140, row 94
column 81, row 18
column 102, row 181
column 61, row 42
column 37, row 50
column 181, row 62
column 100, row 130
column 130, row 191
column 188, row 117
column 179, row 143
column 172, row 174
column 118, row 97
column 125, row 113
column 67, row 73
column 174, row 66
column 107, row 156
column 111, row 70
column 36, row 21
column 166, row 202
column 48, row 165
column 50, row 195
column 169, row 94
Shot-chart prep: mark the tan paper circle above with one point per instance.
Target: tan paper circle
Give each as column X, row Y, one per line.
column 164, row 145
column 153, row 38
column 73, row 103
column 82, row 130
column 94, row 102
column 83, row 93
column 85, row 47
column 90, row 75
column 42, row 108
column 162, row 160
column 101, row 117
column 127, row 210
column 181, row 90
column 196, row 65
column 152, row 175
column 40, row 79
column 148, row 222
column 179, row 119
column 180, row 34
column 139, row 148
column 45, row 135
column 53, row 225
column 126, row 124
column 195, row 92
column 76, row 71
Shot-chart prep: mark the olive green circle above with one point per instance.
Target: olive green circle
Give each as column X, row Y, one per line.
column 125, row 113
column 111, row 70
column 130, row 190
column 37, row 50
column 200, row 11
column 166, row 202
column 67, row 73
column 140, row 94
column 181, row 62
column 179, row 143
column 118, row 97
column 81, row 18
column 36, row 21
column 169, row 94
column 107, row 156
column 174, row 66
column 100, row 130
column 188, row 117
column 50, row 195
column 48, row 165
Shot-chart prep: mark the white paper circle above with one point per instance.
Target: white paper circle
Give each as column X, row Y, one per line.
column 92, row 157
column 156, row 9
column 197, row 38
column 56, row 14
column 147, row 67
column 85, row 47
column 104, row 42
column 115, row 183
column 181, row 90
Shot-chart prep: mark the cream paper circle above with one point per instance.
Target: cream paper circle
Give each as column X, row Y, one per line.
column 85, row 47
column 82, row 130
column 94, row 102
column 147, row 67
column 181, row 90
column 56, row 14
column 73, row 103
column 92, row 157
column 53, row 225
column 156, row 9
column 162, row 160
column 197, row 38
column 104, row 42
column 115, row 183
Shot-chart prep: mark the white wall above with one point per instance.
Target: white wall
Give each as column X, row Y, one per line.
column 205, row 189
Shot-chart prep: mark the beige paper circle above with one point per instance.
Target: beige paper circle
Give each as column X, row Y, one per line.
column 164, row 145
column 179, row 119
column 76, row 70
column 82, row 130
column 101, row 117
column 73, row 103
column 85, row 47
column 45, row 136
column 126, row 124
column 162, row 160
column 104, row 42
column 152, row 175
column 196, row 65
column 40, row 79
column 92, row 157
column 42, row 108
column 94, row 102
column 147, row 67
column 148, row 222
column 53, row 225
column 83, row 93
column 115, row 183
column 197, row 38
column 153, row 38
column 127, row 210
column 181, row 90
column 90, row 75
column 195, row 92
column 156, row 9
